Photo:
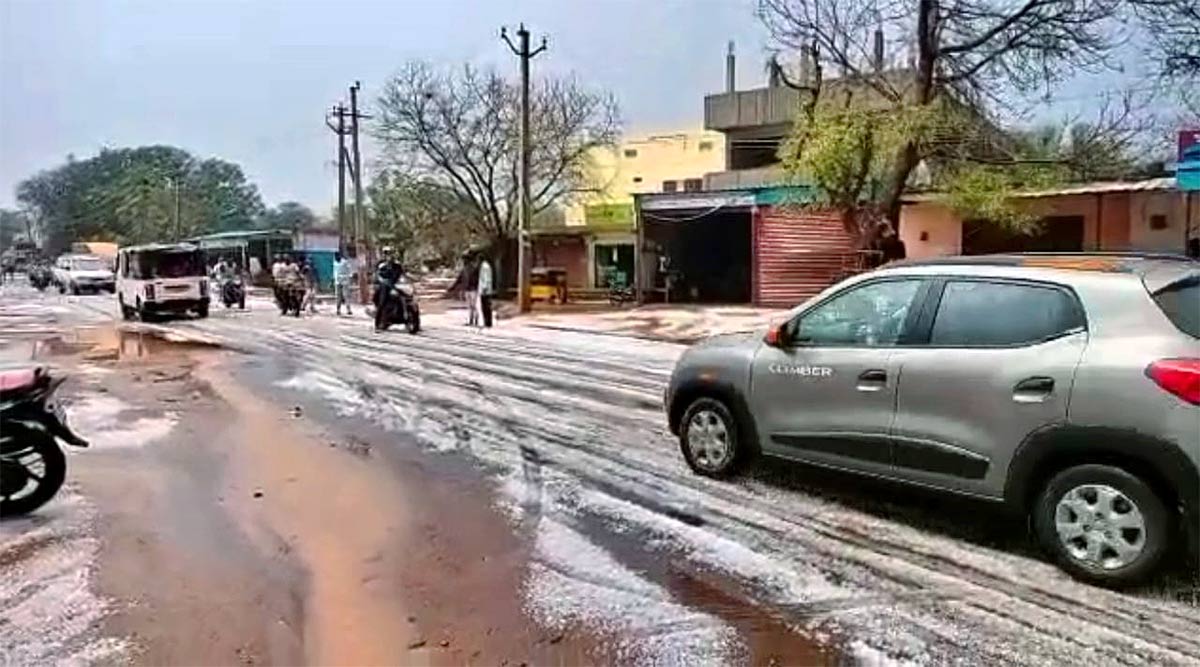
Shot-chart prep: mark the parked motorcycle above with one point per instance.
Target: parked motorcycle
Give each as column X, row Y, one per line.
column 399, row 306
column 233, row 291
column 32, row 466
column 620, row 295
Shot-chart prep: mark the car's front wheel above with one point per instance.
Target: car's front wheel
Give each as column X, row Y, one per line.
column 708, row 436
column 1102, row 524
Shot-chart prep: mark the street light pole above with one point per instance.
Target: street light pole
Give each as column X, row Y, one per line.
column 521, row 50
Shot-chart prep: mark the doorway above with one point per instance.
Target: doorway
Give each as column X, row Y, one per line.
column 1056, row 234
column 700, row 257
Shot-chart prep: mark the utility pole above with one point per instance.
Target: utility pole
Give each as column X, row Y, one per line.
column 339, row 110
column 176, row 184
column 353, row 164
column 521, row 50
column 363, row 247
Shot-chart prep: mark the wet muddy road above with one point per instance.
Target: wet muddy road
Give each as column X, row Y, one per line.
column 517, row 495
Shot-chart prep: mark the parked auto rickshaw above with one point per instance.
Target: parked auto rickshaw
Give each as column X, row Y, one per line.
column 548, row 284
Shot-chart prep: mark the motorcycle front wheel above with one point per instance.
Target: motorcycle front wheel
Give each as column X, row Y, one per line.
column 30, row 474
column 413, row 321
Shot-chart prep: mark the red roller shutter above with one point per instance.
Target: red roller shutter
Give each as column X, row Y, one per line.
column 797, row 254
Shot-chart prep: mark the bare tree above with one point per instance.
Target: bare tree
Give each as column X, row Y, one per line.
column 1173, row 28
column 458, row 130
column 972, row 51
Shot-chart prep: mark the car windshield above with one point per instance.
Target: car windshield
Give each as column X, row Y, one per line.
column 168, row 265
column 88, row 264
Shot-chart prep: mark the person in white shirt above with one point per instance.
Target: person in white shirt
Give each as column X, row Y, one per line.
column 485, row 291
column 343, row 278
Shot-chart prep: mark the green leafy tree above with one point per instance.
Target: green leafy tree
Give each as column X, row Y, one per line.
column 429, row 223
column 289, row 215
column 131, row 195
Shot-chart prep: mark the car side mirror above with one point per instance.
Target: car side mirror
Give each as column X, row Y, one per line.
column 777, row 335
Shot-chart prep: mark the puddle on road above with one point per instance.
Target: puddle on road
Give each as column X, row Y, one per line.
column 108, row 343
column 768, row 638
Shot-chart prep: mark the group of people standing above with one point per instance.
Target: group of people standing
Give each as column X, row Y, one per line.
column 477, row 284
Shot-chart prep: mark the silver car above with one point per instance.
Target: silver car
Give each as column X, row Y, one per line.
column 1065, row 386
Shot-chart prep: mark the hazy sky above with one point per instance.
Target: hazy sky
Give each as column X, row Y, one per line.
column 249, row 81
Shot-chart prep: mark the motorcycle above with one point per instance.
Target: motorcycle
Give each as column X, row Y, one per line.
column 399, row 305
column 32, row 466
column 290, row 298
column 233, row 291
column 39, row 277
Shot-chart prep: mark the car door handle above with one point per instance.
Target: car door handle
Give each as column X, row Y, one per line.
column 872, row 380
column 1033, row 390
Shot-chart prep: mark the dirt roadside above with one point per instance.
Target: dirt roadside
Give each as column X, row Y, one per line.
column 252, row 534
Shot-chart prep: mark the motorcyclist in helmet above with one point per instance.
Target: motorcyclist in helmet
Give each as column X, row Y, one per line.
column 387, row 272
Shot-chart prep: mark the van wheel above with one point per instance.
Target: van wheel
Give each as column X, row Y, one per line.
column 202, row 311
column 1102, row 525
column 126, row 311
column 708, row 436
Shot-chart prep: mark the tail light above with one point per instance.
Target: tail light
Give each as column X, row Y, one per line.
column 1178, row 376
column 149, row 292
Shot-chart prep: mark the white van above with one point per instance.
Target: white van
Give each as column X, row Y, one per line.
column 161, row 278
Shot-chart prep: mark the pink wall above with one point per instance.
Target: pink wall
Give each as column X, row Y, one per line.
column 929, row 229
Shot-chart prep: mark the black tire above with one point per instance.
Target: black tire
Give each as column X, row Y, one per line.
column 55, row 474
column 242, row 302
column 413, row 323
column 126, row 311
column 738, row 454
column 75, row 289
column 62, row 289
column 202, row 311
column 1156, row 540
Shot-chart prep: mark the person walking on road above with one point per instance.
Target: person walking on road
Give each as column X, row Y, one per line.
column 486, row 288
column 343, row 278
column 471, row 287
column 309, row 274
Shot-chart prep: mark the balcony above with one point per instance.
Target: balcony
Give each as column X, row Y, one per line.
column 750, row 108
column 743, row 178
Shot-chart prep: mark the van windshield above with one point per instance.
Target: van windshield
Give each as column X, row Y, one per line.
column 166, row 265
column 87, row 264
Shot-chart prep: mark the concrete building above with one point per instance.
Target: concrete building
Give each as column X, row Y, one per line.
column 1148, row 216
column 597, row 236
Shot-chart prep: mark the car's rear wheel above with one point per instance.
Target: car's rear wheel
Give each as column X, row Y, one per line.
column 708, row 436
column 1102, row 524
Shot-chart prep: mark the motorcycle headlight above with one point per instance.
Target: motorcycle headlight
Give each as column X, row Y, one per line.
column 405, row 288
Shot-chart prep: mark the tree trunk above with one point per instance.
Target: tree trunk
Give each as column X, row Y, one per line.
column 907, row 156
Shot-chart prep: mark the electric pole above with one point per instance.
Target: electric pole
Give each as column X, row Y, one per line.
column 176, row 184
column 353, row 164
column 521, row 50
column 339, row 110
column 363, row 248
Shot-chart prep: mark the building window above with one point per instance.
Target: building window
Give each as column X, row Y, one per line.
column 670, row 186
column 693, row 185
column 1158, row 221
column 705, row 146
column 630, row 152
column 637, row 179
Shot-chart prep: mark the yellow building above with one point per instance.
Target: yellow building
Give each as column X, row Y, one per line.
column 600, row 240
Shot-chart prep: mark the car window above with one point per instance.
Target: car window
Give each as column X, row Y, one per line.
column 989, row 314
column 1180, row 302
column 869, row 315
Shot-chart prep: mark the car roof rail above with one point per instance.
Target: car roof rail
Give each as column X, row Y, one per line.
column 1032, row 258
